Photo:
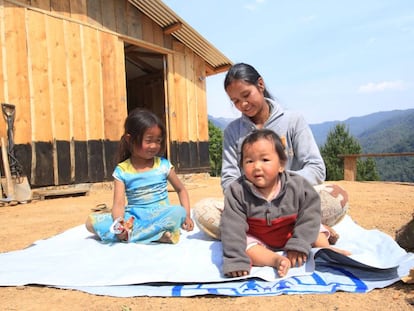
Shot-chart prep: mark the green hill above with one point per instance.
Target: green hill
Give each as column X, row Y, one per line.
column 393, row 135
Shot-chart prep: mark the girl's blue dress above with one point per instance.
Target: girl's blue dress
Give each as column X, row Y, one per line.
column 148, row 202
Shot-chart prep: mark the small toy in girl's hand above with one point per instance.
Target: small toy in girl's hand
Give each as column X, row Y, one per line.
column 129, row 224
column 119, row 225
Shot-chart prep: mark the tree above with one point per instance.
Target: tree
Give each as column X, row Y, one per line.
column 367, row 170
column 339, row 141
column 215, row 148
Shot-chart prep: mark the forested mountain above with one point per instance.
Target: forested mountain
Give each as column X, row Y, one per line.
column 381, row 132
column 392, row 136
column 359, row 125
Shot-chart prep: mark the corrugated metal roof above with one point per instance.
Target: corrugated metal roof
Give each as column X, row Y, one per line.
column 165, row 17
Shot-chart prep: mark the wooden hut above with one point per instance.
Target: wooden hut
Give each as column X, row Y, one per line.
column 74, row 68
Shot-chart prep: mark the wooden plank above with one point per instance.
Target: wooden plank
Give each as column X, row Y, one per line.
column 39, row 88
column 18, row 86
column 4, row 98
column 94, row 12
column 121, row 91
column 58, row 79
column 113, row 84
column 120, row 17
column 169, row 98
column 135, row 21
column 178, row 113
column 93, row 87
column 376, row 155
column 38, row 54
column 158, row 35
column 108, row 15
column 350, row 168
column 191, row 99
column 200, row 91
column 41, row 4
column 147, row 33
column 70, row 118
column 76, row 91
column 60, row 6
column 350, row 161
column 55, row 192
column 76, row 80
column 58, row 87
column 78, row 10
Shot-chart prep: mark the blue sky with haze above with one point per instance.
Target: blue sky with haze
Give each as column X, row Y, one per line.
column 330, row 60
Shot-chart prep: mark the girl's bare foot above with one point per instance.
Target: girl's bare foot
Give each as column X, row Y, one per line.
column 170, row 237
column 166, row 237
column 282, row 265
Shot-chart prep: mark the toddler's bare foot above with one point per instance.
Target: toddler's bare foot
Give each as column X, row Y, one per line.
column 340, row 251
column 170, row 237
column 282, row 265
column 333, row 235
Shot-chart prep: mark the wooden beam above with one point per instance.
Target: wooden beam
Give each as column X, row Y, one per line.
column 210, row 70
column 143, row 65
column 350, row 168
column 172, row 28
column 376, row 155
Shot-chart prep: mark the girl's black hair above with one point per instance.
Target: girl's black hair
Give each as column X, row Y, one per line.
column 137, row 122
column 256, row 135
column 246, row 73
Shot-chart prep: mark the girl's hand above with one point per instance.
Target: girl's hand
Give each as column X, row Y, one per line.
column 122, row 228
column 296, row 258
column 123, row 236
column 188, row 224
column 235, row 274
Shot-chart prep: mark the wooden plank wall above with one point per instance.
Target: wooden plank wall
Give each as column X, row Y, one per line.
column 69, row 95
column 189, row 106
column 62, row 66
column 188, row 111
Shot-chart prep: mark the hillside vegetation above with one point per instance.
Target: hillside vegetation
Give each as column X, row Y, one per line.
column 385, row 132
column 381, row 132
column 394, row 135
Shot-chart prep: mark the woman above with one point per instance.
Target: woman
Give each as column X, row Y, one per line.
column 246, row 89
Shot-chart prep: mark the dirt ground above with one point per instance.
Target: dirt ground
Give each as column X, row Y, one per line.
column 373, row 205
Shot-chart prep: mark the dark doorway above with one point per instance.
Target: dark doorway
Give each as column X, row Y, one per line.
column 145, row 79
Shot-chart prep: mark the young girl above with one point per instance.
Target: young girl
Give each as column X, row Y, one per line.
column 269, row 209
column 141, row 175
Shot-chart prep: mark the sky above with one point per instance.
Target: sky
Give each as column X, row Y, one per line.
column 330, row 60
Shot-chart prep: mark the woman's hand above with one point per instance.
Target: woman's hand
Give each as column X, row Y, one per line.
column 235, row 274
column 188, row 224
column 296, row 258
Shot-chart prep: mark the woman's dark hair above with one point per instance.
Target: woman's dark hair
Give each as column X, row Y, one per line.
column 246, row 73
column 137, row 122
column 256, row 135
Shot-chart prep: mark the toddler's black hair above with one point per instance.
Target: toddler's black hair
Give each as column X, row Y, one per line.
column 270, row 135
